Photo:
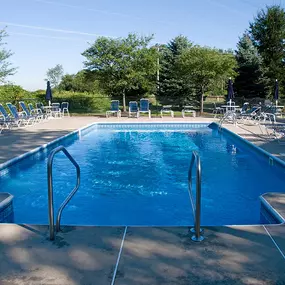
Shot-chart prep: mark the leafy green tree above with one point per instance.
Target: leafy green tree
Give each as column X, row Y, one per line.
column 172, row 88
column 80, row 82
column 249, row 82
column 67, row 83
column 54, row 75
column 12, row 93
column 267, row 32
column 203, row 65
column 6, row 68
column 122, row 65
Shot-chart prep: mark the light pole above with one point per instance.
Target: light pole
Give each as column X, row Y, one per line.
column 157, row 78
column 157, row 73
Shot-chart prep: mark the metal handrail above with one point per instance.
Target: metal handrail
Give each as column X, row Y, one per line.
column 50, row 189
column 196, row 208
column 226, row 116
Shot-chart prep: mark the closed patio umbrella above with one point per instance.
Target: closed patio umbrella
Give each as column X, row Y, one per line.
column 230, row 91
column 48, row 93
column 276, row 92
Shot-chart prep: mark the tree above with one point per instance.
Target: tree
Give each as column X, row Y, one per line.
column 203, row 65
column 12, row 93
column 67, row 83
column 54, row 75
column 6, row 68
column 172, row 88
column 249, row 82
column 122, row 65
column 79, row 82
column 267, row 33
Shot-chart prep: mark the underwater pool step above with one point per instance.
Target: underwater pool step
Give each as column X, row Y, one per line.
column 273, row 207
column 6, row 208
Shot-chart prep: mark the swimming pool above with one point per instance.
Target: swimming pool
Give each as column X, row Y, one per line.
column 136, row 174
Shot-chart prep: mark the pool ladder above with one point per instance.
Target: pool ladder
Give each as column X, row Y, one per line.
column 50, row 190
column 197, row 231
column 229, row 116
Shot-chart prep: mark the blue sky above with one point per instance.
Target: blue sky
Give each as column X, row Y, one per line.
column 43, row 33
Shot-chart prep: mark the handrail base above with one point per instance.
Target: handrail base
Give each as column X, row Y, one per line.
column 192, row 230
column 194, row 238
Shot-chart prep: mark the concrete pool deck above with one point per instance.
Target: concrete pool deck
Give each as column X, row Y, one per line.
column 135, row 255
column 140, row 255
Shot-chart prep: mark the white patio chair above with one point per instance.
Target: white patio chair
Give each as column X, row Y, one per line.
column 188, row 109
column 166, row 109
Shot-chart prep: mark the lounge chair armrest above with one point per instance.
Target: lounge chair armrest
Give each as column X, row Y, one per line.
column 22, row 114
column 36, row 111
column 57, row 110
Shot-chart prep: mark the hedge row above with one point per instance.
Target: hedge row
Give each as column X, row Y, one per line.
column 78, row 102
column 82, row 103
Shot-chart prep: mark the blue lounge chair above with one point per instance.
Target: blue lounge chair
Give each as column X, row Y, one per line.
column 36, row 111
column 5, row 119
column 244, row 108
column 250, row 114
column 46, row 110
column 115, row 109
column 40, row 105
column 33, row 118
column 18, row 118
column 256, row 115
column 64, row 109
column 133, row 109
column 144, row 107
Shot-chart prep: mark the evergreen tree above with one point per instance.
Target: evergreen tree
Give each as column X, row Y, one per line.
column 267, row 32
column 172, row 89
column 249, row 82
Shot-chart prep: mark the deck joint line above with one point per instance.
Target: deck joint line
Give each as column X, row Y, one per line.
column 275, row 243
column 119, row 257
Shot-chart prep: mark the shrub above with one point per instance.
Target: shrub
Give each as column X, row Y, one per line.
column 12, row 93
column 84, row 102
column 78, row 102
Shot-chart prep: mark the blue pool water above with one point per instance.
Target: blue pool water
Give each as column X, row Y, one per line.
column 139, row 177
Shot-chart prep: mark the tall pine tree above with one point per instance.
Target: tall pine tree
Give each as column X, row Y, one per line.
column 267, row 32
column 249, row 82
column 172, row 89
